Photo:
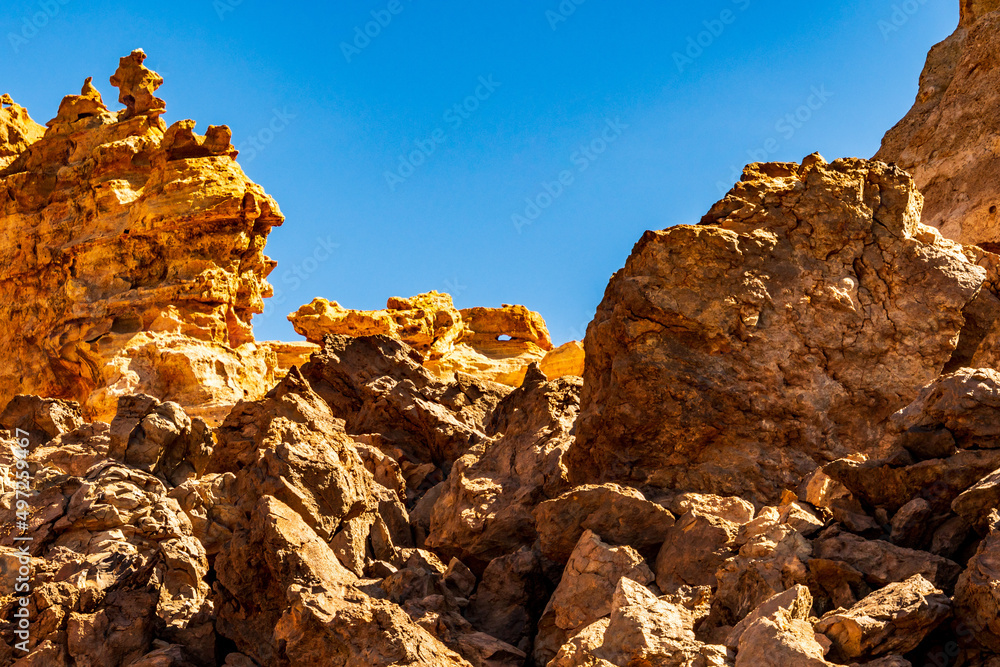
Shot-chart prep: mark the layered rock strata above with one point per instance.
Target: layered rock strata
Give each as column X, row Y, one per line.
column 132, row 256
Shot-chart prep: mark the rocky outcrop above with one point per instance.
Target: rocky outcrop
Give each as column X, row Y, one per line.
column 17, row 131
column 496, row 344
column 893, row 620
column 783, row 449
column 485, row 509
column 946, row 140
column 838, row 307
column 132, row 256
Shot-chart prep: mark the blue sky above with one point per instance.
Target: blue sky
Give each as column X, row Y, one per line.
column 503, row 152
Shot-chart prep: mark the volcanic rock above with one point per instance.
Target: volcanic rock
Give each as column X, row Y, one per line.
column 819, row 339
column 485, row 509
column 945, row 141
column 894, row 619
column 977, row 594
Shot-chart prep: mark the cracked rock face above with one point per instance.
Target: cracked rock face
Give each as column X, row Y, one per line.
column 132, row 256
column 784, row 450
column 946, row 141
column 808, row 306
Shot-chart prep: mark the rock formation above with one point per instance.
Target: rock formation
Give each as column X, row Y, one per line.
column 132, row 256
column 495, row 344
column 839, row 306
column 784, row 449
column 946, row 141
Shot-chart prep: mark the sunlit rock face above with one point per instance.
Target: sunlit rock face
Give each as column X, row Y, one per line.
column 948, row 140
column 131, row 256
column 730, row 357
column 496, row 344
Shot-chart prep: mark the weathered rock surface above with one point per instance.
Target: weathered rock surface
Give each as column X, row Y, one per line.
column 945, row 141
column 285, row 598
column 894, row 619
column 788, row 413
column 17, row 131
column 588, row 584
column 883, row 563
column 819, row 339
column 132, row 256
column 778, row 641
column 485, row 509
column 694, row 549
column 378, row 386
column 641, row 630
column 977, row 594
column 617, row 514
column 496, row 344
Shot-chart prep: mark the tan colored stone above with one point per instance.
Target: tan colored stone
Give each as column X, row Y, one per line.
column 282, row 589
column 589, row 581
column 693, row 549
column 883, row 563
column 486, row 507
column 796, row 602
column 567, row 359
column 496, row 344
column 601, row 508
column 429, row 323
column 287, row 355
column 894, row 619
column 946, row 141
column 135, row 252
column 780, row 641
column 780, row 332
column 732, row 509
column 17, row 131
column 977, row 594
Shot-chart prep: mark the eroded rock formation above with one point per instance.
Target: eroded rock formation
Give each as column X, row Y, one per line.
column 808, row 306
column 783, row 450
column 946, row 141
column 132, row 256
column 495, row 344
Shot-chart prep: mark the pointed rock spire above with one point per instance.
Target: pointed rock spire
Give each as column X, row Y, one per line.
column 136, row 84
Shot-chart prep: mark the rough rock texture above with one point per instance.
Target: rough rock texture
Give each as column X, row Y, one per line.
column 641, row 630
column 378, row 386
column 946, row 141
column 589, row 581
column 485, row 509
column 132, row 256
column 495, row 344
column 977, row 595
column 894, row 619
column 601, row 509
column 838, row 307
column 17, row 131
column 788, row 421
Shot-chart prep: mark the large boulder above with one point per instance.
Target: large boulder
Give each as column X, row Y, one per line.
column 284, row 598
column 977, row 594
column 379, row 387
column 807, row 308
column 894, row 619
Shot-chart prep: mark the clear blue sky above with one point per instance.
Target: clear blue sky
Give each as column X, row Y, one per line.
column 553, row 87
